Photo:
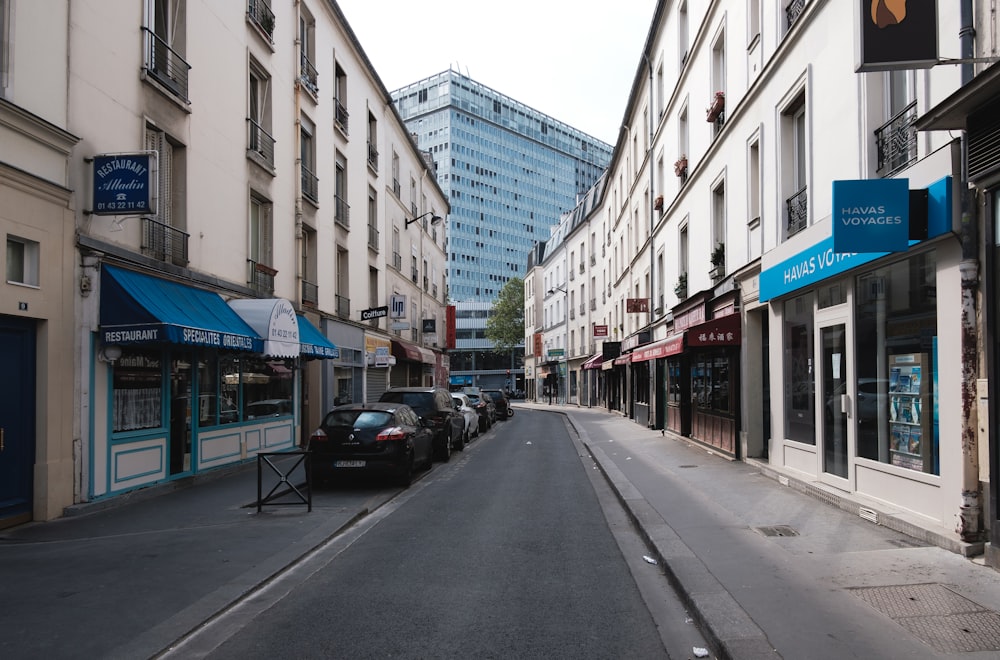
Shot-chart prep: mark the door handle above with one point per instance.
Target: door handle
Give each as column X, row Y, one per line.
column 1, row 438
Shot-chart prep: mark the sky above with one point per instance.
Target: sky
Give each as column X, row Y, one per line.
column 574, row 61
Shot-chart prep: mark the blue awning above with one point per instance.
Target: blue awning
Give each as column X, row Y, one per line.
column 312, row 343
column 138, row 309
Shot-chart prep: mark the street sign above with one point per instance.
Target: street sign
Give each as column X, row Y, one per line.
column 374, row 313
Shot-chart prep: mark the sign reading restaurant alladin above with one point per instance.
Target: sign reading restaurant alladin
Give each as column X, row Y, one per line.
column 123, row 184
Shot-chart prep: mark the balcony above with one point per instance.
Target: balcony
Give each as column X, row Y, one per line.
column 427, row 284
column 373, row 235
column 572, row 274
column 593, row 260
column 397, row 261
column 308, row 75
column 414, row 275
column 342, row 212
column 260, row 278
column 797, row 208
column 434, row 290
column 261, row 15
column 372, row 155
column 572, row 312
column 583, row 267
column 897, row 142
column 396, row 188
column 260, row 142
column 593, row 304
column 164, row 243
column 165, row 66
column 342, row 306
column 310, row 293
column 310, row 185
column 341, row 116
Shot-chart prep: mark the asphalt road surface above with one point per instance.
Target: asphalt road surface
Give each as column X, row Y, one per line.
column 514, row 549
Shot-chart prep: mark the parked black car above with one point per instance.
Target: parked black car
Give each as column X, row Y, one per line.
column 377, row 437
column 435, row 408
column 501, row 401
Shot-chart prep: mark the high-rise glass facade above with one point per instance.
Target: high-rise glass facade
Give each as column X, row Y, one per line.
column 509, row 172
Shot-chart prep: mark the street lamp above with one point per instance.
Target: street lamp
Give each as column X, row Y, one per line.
column 435, row 219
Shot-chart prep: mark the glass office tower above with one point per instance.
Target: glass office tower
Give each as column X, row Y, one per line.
column 509, row 171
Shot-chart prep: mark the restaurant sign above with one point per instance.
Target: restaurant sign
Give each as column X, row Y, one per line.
column 123, row 184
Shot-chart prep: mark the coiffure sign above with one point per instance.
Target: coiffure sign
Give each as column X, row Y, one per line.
column 871, row 215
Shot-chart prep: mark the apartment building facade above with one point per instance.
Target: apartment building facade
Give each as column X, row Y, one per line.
column 209, row 294
column 734, row 315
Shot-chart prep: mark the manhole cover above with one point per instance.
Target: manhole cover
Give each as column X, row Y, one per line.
column 687, row 466
column 937, row 615
column 777, row 530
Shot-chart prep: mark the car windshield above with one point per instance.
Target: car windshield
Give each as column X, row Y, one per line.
column 419, row 401
column 359, row 419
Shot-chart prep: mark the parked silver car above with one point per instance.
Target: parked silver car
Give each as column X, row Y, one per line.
column 464, row 406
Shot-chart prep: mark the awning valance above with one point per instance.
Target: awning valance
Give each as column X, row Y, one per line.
column 721, row 331
column 138, row 309
column 312, row 342
column 623, row 359
column 406, row 351
column 661, row 349
column 275, row 320
column 594, row 362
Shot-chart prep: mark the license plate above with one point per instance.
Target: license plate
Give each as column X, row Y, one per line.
column 349, row 464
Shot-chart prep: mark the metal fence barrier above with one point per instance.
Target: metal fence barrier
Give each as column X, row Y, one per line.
column 302, row 491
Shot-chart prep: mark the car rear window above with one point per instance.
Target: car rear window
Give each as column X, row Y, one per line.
column 419, row 401
column 359, row 419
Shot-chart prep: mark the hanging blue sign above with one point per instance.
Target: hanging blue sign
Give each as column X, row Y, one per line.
column 122, row 184
column 871, row 215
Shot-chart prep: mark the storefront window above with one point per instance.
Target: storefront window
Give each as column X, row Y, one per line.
column 797, row 328
column 710, row 387
column 640, row 382
column 674, row 380
column 896, row 346
column 137, row 384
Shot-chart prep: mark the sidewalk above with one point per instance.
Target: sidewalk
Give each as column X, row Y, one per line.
column 774, row 567
column 761, row 565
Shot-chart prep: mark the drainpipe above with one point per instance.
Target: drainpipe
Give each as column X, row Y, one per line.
column 971, row 510
column 651, row 422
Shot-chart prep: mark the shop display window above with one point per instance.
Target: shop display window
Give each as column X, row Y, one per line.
column 710, row 388
column 896, row 356
column 137, row 391
column 799, row 375
column 674, row 380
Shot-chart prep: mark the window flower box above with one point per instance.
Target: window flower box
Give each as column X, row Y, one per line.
column 681, row 166
column 713, row 111
column 658, row 203
column 681, row 288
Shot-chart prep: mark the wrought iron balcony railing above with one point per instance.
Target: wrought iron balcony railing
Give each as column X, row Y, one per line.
column 414, row 275
column 260, row 142
column 260, row 277
column 310, row 293
column 262, row 16
column 373, row 235
column 308, row 75
column 310, row 185
column 897, row 141
column 164, row 243
column 342, row 212
column 797, row 207
column 397, row 261
column 343, row 306
column 793, row 11
column 372, row 156
column 341, row 116
column 165, row 65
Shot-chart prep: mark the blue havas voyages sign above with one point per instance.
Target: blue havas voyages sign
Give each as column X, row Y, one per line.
column 871, row 215
column 122, row 184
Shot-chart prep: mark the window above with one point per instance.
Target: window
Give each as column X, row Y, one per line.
column 719, row 228
column 396, row 186
column 372, row 142
column 896, row 338
column 794, row 166
column 310, row 182
column 342, row 212
column 373, row 233
column 310, row 288
column 308, row 75
column 341, row 115
column 162, row 235
column 718, row 90
column 896, row 139
column 343, row 283
column 797, row 319
column 753, row 20
column 22, row 261
column 261, row 143
column 754, row 233
column 165, row 46
column 4, row 47
column 682, row 33
column 262, row 273
column 137, row 390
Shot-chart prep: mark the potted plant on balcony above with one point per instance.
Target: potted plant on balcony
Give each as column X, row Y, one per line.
column 713, row 111
column 718, row 260
column 681, row 166
column 658, row 203
column 681, row 288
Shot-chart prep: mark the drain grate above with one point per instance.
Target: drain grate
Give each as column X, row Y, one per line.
column 687, row 466
column 776, row 530
column 948, row 622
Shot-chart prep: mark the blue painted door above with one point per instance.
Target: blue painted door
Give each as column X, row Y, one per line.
column 17, row 418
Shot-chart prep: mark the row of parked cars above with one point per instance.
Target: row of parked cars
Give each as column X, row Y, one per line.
column 407, row 429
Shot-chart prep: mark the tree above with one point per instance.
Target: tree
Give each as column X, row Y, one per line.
column 505, row 326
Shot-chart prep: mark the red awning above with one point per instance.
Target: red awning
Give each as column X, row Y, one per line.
column 623, row 359
column 594, row 362
column 661, row 349
column 407, row 351
column 722, row 331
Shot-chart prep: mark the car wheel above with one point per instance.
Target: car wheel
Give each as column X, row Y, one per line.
column 461, row 440
column 444, row 454
column 406, row 475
